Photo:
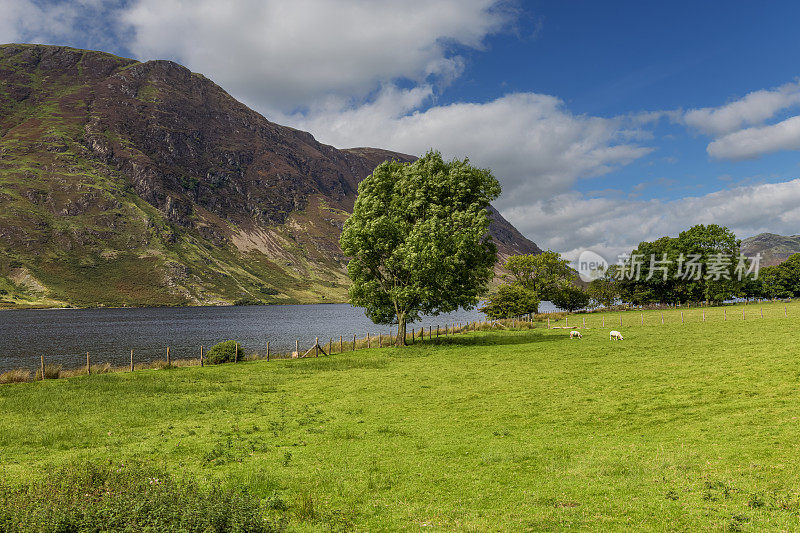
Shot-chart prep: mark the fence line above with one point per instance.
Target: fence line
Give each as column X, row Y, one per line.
column 46, row 371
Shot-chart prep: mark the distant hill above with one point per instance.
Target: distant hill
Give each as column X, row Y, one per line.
column 142, row 183
column 774, row 249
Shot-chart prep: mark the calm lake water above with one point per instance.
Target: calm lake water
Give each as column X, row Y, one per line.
column 64, row 336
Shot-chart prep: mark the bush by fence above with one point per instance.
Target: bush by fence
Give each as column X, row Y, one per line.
column 224, row 352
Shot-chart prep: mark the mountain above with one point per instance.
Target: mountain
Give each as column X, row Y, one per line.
column 774, row 249
column 142, row 183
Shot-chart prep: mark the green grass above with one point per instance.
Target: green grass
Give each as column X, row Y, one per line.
column 688, row 427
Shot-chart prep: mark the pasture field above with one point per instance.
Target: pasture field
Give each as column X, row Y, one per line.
column 687, row 427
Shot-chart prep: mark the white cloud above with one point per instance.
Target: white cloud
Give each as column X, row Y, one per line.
column 80, row 23
column 283, row 55
column 751, row 110
column 572, row 222
column 738, row 127
column 754, row 142
column 24, row 20
column 533, row 144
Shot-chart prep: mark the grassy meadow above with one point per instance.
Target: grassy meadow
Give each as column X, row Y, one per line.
column 682, row 426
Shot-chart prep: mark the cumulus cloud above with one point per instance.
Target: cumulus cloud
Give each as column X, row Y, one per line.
column 280, row 55
column 532, row 143
column 81, row 23
column 738, row 127
column 611, row 226
column 753, row 109
column 750, row 143
column 24, row 20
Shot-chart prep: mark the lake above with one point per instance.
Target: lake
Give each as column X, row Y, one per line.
column 64, row 336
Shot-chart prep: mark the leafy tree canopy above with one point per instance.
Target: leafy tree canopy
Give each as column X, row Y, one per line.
column 570, row 298
column 699, row 264
column 545, row 273
column 782, row 280
column 418, row 239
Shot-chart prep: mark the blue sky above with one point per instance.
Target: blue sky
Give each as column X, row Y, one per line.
column 606, row 122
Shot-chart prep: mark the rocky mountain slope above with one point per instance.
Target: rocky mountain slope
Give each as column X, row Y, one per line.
column 774, row 249
column 130, row 183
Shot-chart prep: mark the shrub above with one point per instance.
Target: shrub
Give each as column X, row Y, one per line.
column 19, row 375
column 224, row 352
column 125, row 497
column 511, row 300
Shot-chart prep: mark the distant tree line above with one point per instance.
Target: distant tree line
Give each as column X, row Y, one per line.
column 701, row 264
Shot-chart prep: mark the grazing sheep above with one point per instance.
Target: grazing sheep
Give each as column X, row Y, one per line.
column 616, row 336
column 575, row 335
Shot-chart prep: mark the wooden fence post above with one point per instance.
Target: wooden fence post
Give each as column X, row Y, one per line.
column 88, row 366
column 316, row 346
column 662, row 318
column 168, row 359
column 368, row 343
column 724, row 314
column 330, row 346
column 762, row 312
column 236, row 352
column 437, row 331
column 380, row 340
column 548, row 322
column 354, row 342
column 297, row 347
column 41, row 357
column 681, row 317
column 268, row 351
column 201, row 360
column 341, row 344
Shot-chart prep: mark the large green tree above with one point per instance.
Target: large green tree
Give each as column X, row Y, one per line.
column 782, row 280
column 700, row 264
column 419, row 240
column 570, row 298
column 718, row 250
column 545, row 273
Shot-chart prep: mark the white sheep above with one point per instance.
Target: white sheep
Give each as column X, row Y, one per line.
column 616, row 335
column 575, row 335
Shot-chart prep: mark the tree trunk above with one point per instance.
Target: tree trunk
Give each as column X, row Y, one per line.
column 401, row 330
